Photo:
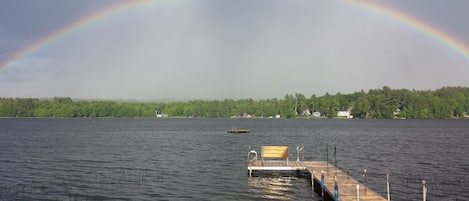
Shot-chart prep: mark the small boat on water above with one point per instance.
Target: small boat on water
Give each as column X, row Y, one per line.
column 235, row 130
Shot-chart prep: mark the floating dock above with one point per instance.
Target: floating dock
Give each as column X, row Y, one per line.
column 348, row 188
column 238, row 131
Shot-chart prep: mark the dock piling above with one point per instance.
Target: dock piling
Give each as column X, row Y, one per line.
column 312, row 180
column 335, row 159
column 327, row 159
column 424, row 190
column 348, row 175
column 322, row 185
column 358, row 192
column 387, row 184
column 336, row 190
column 364, row 179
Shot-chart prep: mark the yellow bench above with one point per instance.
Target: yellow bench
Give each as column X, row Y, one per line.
column 274, row 152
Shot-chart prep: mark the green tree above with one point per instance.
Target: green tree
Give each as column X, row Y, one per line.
column 7, row 107
column 362, row 107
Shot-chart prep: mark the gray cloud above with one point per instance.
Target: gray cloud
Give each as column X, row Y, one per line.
column 238, row 49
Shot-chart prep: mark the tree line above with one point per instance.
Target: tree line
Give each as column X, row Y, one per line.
column 383, row 103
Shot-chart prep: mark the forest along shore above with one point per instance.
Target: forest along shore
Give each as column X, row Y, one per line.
column 384, row 103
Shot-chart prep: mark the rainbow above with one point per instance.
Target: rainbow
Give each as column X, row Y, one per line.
column 412, row 22
column 64, row 31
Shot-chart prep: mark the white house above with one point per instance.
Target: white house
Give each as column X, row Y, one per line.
column 306, row 113
column 317, row 114
column 160, row 115
column 344, row 114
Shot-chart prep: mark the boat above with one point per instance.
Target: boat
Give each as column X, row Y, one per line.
column 235, row 130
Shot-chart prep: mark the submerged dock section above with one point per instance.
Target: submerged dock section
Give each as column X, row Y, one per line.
column 328, row 181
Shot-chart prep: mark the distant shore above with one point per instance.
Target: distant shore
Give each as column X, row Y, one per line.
column 384, row 103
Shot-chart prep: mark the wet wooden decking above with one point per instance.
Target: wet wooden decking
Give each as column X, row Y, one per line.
column 347, row 185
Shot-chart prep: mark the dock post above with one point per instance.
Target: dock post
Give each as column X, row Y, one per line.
column 297, row 153
column 424, row 189
column 336, row 190
column 327, row 159
column 364, row 179
column 387, row 184
column 358, row 192
column 348, row 175
column 298, row 150
column 322, row 185
column 312, row 180
column 335, row 159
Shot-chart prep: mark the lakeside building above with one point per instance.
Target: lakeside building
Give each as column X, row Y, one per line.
column 160, row 115
column 346, row 114
column 316, row 114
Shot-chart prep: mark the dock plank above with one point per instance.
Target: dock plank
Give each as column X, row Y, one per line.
column 347, row 185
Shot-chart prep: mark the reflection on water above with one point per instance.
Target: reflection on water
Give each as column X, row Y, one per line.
column 275, row 188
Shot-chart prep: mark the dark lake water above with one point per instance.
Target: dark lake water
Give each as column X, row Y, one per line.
column 195, row 159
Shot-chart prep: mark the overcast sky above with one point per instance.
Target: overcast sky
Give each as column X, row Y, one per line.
column 205, row 49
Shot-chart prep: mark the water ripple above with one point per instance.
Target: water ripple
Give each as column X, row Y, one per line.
column 194, row 159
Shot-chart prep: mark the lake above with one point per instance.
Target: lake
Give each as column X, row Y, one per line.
column 195, row 159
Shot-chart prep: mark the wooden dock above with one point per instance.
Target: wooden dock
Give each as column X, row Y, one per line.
column 347, row 186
